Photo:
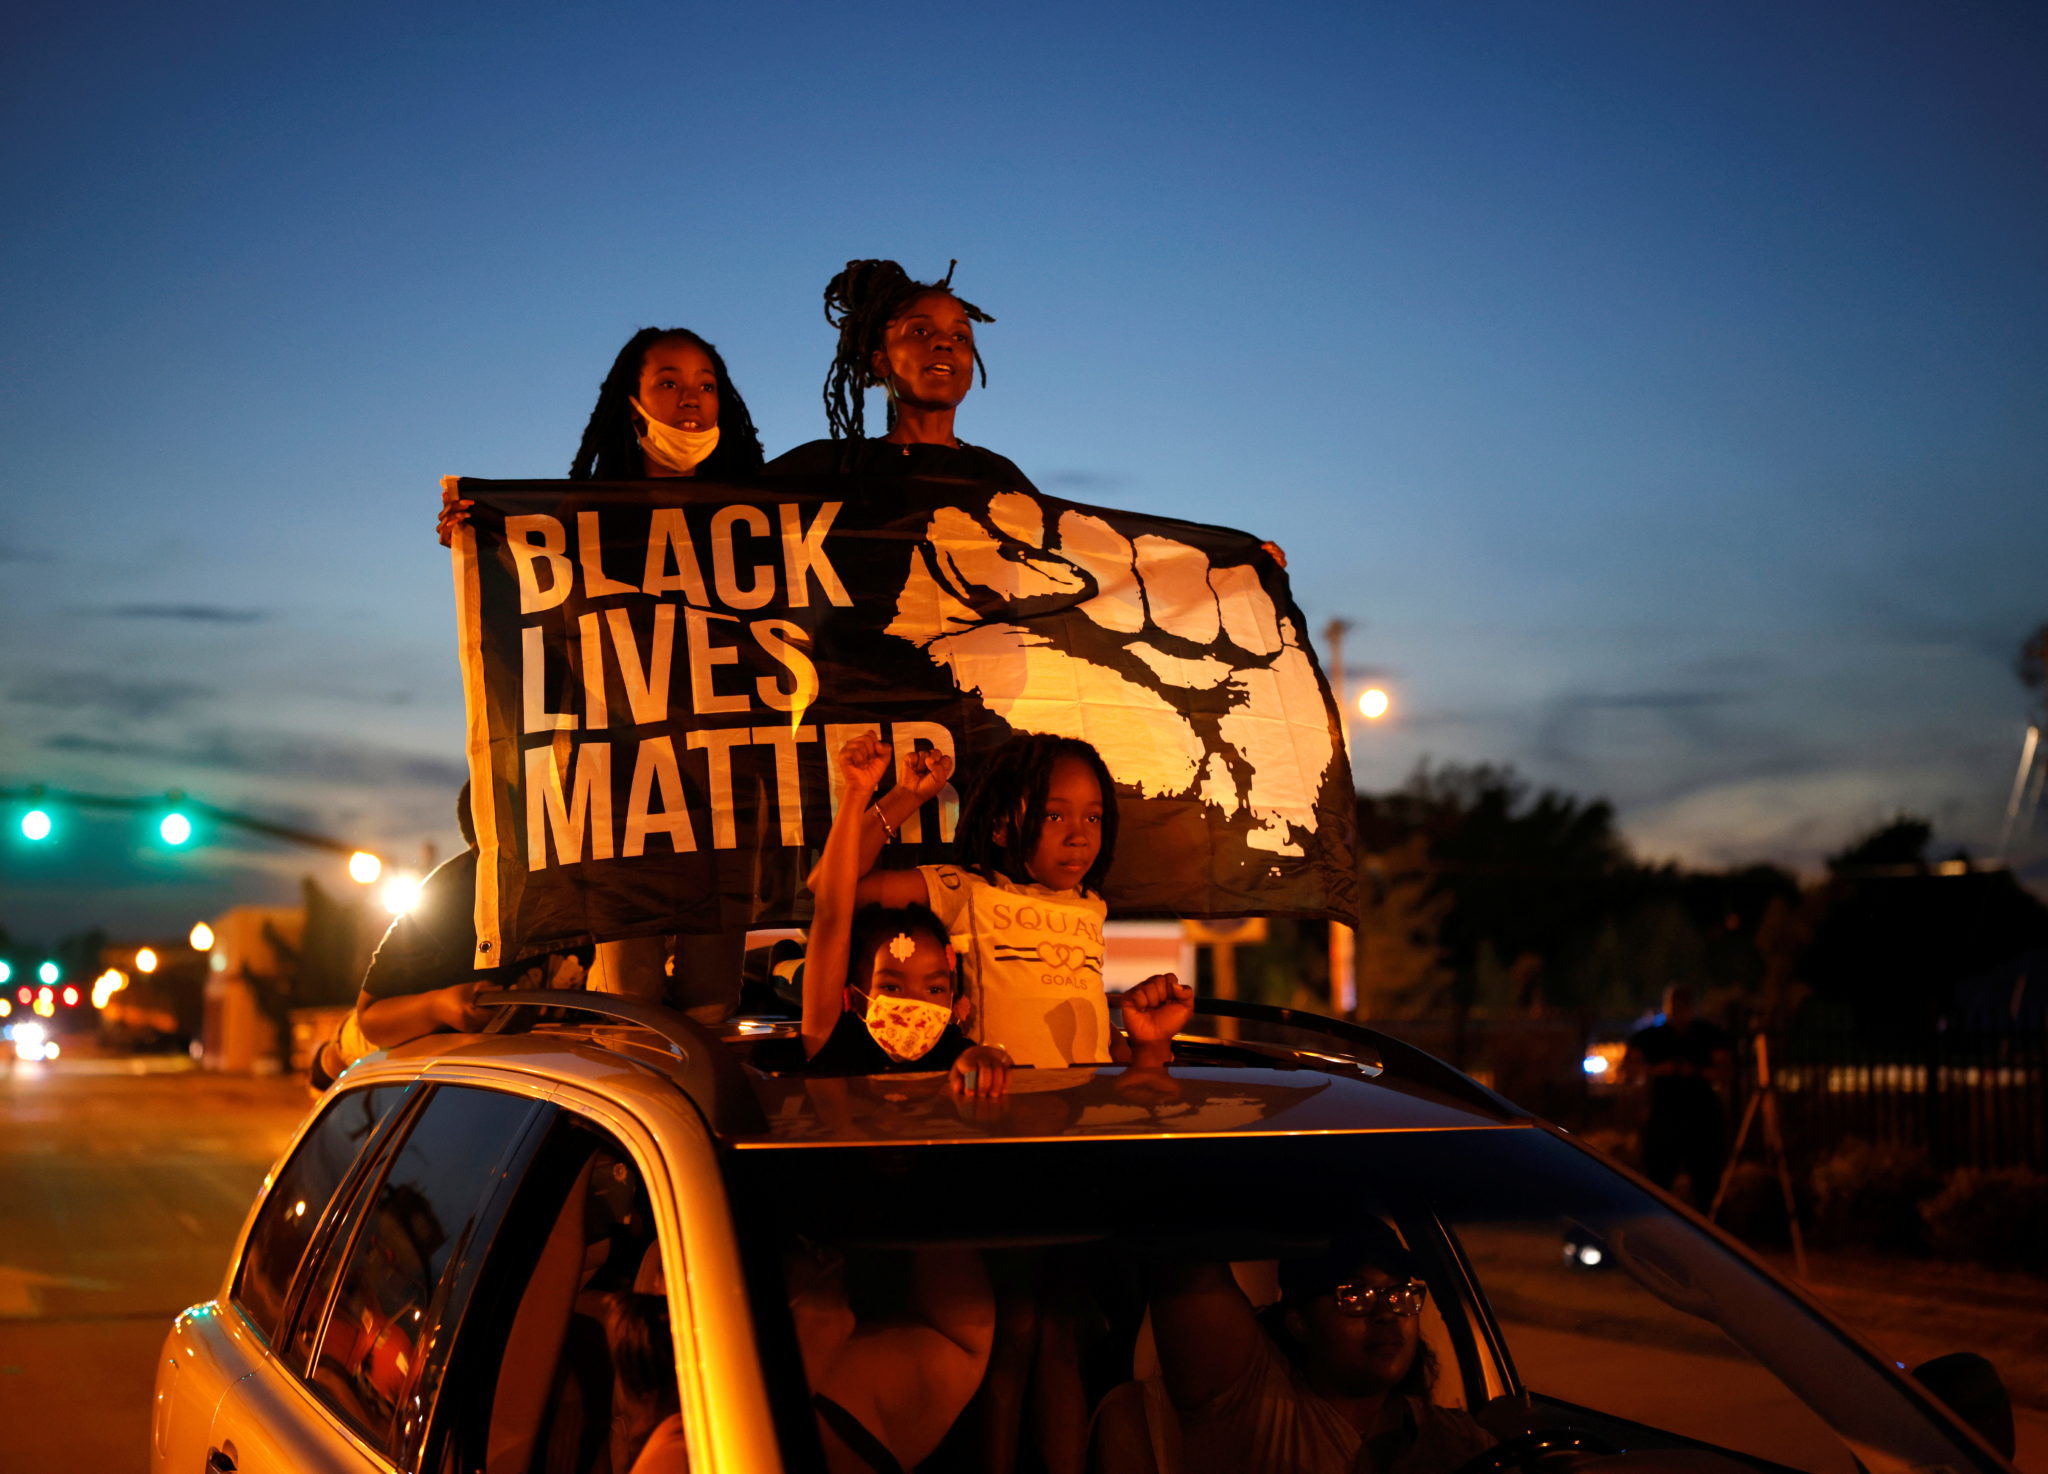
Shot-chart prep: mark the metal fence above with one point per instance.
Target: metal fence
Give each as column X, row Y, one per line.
column 1968, row 1099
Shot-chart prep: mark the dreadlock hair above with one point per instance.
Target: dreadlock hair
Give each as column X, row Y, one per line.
column 861, row 301
column 1010, row 798
column 875, row 926
column 611, row 445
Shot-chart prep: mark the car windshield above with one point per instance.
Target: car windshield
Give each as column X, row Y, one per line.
column 1416, row 1302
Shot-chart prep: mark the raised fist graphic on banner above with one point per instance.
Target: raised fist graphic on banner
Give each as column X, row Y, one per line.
column 1182, row 673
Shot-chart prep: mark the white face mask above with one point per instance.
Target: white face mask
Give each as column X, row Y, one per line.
column 682, row 451
column 906, row 1028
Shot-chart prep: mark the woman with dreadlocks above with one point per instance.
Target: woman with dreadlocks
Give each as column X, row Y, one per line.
column 915, row 340
column 667, row 408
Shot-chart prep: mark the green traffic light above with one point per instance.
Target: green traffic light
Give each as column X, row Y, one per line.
column 175, row 828
column 6, row 972
column 36, row 825
column 49, row 972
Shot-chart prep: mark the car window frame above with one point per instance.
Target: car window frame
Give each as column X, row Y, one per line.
column 642, row 1144
column 632, row 1137
column 314, row 1302
column 1485, row 1364
column 337, row 1206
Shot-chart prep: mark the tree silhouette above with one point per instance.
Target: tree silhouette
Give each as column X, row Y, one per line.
column 1892, row 935
column 1898, row 844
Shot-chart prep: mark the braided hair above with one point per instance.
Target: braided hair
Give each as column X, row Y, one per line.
column 610, row 450
column 861, row 301
column 1011, row 797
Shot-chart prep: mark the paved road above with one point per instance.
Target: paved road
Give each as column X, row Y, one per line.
column 120, row 1197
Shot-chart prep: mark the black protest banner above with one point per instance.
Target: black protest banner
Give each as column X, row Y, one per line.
column 658, row 674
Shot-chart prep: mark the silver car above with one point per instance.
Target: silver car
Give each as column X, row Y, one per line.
column 620, row 1245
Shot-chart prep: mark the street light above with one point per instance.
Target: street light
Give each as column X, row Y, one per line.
column 1373, row 703
column 35, row 824
column 175, row 828
column 401, row 893
column 49, row 972
column 364, row 868
column 202, row 937
column 145, row 960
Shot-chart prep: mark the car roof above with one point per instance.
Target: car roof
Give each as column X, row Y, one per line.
column 1240, row 1070
column 1095, row 1103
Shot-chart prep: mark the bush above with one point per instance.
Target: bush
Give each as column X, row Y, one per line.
column 1868, row 1194
column 1997, row 1217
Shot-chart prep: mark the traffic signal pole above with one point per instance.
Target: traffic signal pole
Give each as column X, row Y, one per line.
column 39, row 796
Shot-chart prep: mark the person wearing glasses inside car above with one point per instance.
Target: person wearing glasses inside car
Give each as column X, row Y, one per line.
column 1333, row 1377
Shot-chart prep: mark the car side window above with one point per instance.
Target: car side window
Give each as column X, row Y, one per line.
column 300, row 1198
column 566, row 1361
column 419, row 1220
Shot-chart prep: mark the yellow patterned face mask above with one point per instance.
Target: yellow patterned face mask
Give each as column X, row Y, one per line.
column 906, row 1028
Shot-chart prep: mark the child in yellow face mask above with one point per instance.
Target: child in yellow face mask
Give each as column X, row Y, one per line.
column 881, row 988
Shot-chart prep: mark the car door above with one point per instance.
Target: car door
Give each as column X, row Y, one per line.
column 216, row 1345
column 353, row 1357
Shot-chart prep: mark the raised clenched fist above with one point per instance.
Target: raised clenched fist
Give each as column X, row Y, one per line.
column 1184, row 676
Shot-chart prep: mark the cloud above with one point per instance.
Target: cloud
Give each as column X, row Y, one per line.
column 86, row 690
column 1080, row 480
column 197, row 613
column 275, row 755
column 1795, row 817
column 1723, row 669
column 1646, row 700
column 1570, row 731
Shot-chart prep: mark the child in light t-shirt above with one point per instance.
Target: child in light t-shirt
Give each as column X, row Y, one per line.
column 1036, row 838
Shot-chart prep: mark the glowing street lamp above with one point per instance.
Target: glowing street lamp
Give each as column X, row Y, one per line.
column 401, row 893
column 146, row 960
column 364, row 868
column 49, row 972
column 175, row 828
column 1373, row 703
column 36, row 825
column 202, row 937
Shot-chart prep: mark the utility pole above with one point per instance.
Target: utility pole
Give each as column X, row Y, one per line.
column 2032, row 669
column 1343, row 945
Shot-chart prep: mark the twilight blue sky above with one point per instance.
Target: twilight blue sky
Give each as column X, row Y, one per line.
column 1659, row 385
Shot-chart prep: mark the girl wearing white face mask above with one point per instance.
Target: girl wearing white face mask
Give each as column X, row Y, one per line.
column 881, row 989
column 667, row 408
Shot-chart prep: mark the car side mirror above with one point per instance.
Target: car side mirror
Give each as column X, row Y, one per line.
column 1974, row 1392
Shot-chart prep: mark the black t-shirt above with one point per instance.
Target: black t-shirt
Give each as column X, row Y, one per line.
column 434, row 944
column 886, row 458
column 1696, row 1046
column 852, row 1050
